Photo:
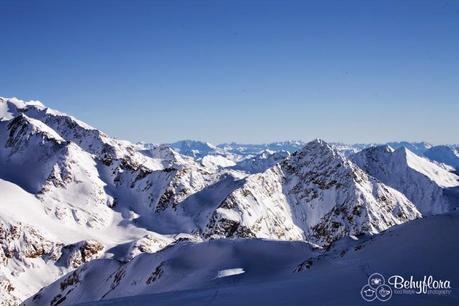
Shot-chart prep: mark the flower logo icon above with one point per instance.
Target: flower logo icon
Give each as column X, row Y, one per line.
column 376, row 288
column 376, row 281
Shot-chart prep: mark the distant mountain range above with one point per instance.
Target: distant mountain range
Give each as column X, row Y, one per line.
column 85, row 217
column 447, row 154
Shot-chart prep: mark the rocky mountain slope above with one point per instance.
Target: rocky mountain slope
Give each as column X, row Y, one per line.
column 315, row 194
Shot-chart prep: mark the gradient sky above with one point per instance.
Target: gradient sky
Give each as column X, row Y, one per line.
column 248, row 71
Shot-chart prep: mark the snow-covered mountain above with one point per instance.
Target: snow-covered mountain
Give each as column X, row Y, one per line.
column 63, row 175
column 80, row 181
column 240, row 152
column 421, row 180
column 316, row 195
column 71, row 194
column 59, row 158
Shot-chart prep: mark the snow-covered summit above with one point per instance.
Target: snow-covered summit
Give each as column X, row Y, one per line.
column 10, row 107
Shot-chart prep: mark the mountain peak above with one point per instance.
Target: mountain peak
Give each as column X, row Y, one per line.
column 24, row 126
column 317, row 145
column 317, row 141
column 316, row 151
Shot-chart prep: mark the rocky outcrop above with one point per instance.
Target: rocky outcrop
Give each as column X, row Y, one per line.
column 76, row 254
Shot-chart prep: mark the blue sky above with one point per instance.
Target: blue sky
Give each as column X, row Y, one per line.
column 246, row 71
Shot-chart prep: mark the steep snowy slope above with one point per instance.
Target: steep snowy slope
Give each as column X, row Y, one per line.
column 444, row 154
column 316, row 195
column 422, row 181
column 270, row 273
column 64, row 176
column 23, row 238
column 82, row 174
column 36, row 248
column 20, row 138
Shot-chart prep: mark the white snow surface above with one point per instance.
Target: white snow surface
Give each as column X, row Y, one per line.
column 276, row 272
